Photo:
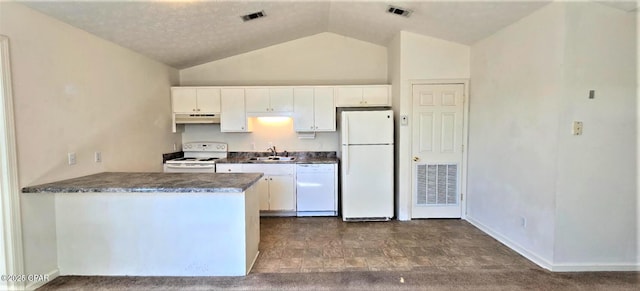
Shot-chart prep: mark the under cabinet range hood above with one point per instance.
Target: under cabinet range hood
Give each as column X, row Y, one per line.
column 186, row 118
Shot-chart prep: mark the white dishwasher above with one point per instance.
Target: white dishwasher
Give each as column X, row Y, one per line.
column 316, row 190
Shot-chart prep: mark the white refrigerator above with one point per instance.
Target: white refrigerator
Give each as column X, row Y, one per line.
column 367, row 165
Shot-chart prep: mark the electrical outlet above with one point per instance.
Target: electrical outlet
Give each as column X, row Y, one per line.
column 577, row 128
column 98, row 157
column 71, row 158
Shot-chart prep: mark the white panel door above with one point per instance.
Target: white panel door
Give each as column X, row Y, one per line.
column 367, row 127
column 367, row 181
column 437, row 150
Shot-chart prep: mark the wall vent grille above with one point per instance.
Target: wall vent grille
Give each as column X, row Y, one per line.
column 253, row 16
column 399, row 11
column 437, row 184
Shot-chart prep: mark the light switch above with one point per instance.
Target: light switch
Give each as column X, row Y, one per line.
column 577, row 128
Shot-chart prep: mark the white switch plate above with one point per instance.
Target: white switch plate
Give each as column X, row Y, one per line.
column 577, row 128
column 71, row 157
column 98, row 157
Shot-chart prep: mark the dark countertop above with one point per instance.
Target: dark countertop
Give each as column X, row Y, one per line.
column 301, row 158
column 151, row 182
column 296, row 161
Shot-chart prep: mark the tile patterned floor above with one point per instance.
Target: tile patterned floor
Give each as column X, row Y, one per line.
column 327, row 244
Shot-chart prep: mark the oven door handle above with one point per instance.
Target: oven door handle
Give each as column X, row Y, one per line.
column 191, row 167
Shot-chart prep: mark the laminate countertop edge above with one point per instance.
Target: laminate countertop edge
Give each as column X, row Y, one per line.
column 155, row 182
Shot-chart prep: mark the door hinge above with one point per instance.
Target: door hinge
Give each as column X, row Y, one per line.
column 462, row 148
column 461, row 196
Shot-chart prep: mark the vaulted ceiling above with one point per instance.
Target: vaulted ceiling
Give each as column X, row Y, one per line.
column 187, row 33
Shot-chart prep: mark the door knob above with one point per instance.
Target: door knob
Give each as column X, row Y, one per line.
column 415, row 159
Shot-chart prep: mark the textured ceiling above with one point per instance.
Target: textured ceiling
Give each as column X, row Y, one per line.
column 187, row 33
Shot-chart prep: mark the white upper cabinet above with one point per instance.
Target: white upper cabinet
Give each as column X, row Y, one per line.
column 362, row 96
column 269, row 101
column 195, row 100
column 314, row 109
column 233, row 117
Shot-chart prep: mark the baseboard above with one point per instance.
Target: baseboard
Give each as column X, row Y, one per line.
column 37, row 284
column 595, row 267
column 531, row 256
column 582, row 267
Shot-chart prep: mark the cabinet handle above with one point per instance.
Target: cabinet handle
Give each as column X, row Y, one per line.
column 365, row 102
column 312, row 127
column 228, row 170
column 193, row 109
column 270, row 179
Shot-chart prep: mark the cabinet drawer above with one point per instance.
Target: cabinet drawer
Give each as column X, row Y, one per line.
column 228, row 168
column 280, row 170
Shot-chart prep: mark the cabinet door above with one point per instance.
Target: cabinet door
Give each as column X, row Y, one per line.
column 262, row 189
column 233, row 117
column 257, row 100
column 303, row 107
column 349, row 96
column 183, row 100
column 324, row 110
column 281, row 99
column 282, row 193
column 208, row 100
column 376, row 96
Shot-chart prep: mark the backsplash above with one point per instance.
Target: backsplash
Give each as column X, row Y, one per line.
column 264, row 135
column 301, row 155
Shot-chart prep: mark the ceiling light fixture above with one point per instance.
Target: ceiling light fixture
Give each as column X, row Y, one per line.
column 253, row 16
column 399, row 11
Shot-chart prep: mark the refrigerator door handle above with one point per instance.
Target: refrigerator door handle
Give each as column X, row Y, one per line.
column 346, row 152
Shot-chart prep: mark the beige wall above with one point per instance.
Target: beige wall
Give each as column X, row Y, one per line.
column 321, row 59
column 530, row 81
column 74, row 92
column 420, row 58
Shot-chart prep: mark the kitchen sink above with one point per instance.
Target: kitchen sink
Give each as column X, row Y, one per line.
column 272, row 159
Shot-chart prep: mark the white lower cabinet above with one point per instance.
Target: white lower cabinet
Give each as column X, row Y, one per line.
column 276, row 188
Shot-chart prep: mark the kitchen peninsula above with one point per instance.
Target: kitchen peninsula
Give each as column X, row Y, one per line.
column 155, row 224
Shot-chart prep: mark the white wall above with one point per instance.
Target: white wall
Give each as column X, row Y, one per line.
column 576, row 193
column 513, row 135
column 395, row 79
column 596, row 172
column 420, row 58
column 321, row 59
column 74, row 92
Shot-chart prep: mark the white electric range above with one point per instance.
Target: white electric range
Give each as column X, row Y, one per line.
column 199, row 157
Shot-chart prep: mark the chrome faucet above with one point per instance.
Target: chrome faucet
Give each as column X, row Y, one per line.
column 272, row 149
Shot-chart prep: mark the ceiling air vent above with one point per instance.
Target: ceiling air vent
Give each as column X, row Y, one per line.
column 399, row 11
column 253, row 16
